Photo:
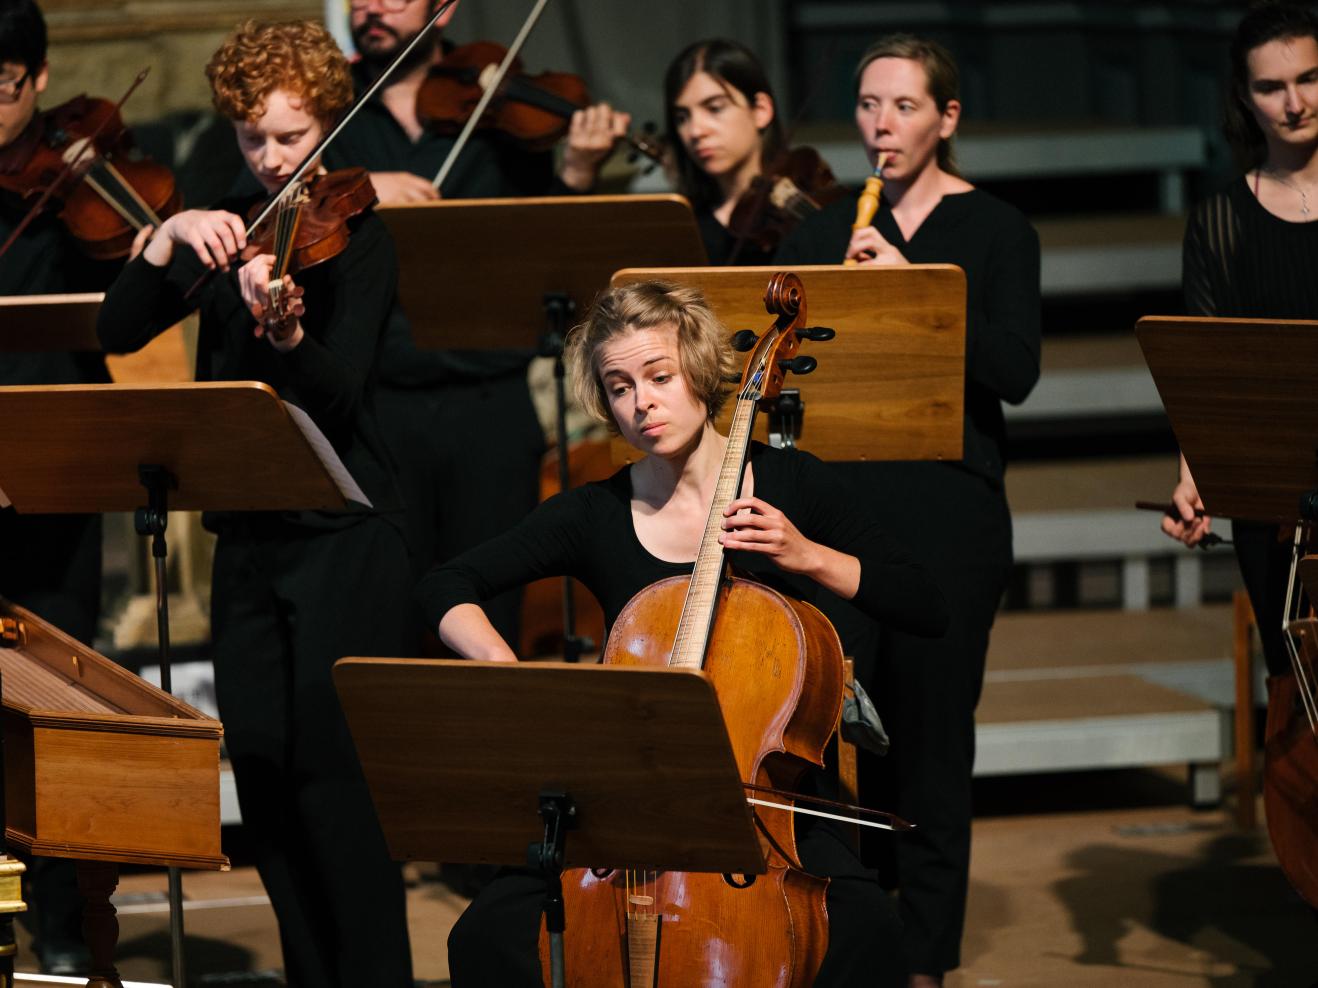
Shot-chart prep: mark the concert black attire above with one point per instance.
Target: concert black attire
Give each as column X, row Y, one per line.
column 51, row 564
column 722, row 246
column 960, row 529
column 588, row 533
column 461, row 424
column 1241, row 261
column 293, row 592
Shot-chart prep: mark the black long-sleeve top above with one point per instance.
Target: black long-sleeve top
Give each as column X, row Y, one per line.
column 999, row 251
column 489, row 167
column 588, row 533
column 44, row 261
column 330, row 374
column 1240, row 261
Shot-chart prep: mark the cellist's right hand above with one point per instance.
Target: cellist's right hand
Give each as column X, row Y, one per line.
column 466, row 630
column 1188, row 526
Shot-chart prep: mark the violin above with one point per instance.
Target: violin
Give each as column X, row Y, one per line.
column 533, row 112
column 776, row 665
column 79, row 155
column 309, row 226
column 794, row 185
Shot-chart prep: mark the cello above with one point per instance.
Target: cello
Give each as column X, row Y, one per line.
column 1290, row 746
column 776, row 665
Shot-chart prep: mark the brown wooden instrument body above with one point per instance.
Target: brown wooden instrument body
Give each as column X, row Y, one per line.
column 792, row 187
column 542, row 601
column 322, row 226
column 1290, row 786
column 99, row 764
column 533, row 111
column 101, row 231
column 776, row 665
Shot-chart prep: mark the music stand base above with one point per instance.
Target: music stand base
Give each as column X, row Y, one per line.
column 153, row 520
column 559, row 814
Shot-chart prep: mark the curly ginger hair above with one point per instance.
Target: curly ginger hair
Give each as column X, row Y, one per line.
column 300, row 57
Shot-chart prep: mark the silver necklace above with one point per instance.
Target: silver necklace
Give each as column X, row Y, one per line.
column 1291, row 184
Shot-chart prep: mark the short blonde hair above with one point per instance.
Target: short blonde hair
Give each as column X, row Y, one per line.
column 300, row 57
column 704, row 348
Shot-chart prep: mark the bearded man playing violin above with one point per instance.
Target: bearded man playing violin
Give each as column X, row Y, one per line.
column 290, row 590
column 404, row 153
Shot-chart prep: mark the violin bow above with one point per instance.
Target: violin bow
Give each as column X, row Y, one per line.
column 89, row 144
column 493, row 86
column 313, row 156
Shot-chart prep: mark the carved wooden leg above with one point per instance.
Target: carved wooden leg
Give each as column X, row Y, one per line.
column 11, row 902
column 97, row 881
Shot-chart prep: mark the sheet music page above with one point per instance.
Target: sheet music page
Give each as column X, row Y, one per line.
column 342, row 478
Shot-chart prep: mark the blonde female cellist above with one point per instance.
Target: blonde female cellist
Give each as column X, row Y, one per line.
column 652, row 360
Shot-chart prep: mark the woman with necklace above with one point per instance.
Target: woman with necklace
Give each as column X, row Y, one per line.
column 1251, row 250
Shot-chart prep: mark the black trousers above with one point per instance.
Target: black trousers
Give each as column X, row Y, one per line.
column 958, row 526
column 1265, row 568
column 469, row 465
column 495, row 942
column 288, row 601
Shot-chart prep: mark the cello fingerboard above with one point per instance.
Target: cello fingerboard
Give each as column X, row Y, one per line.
column 698, row 610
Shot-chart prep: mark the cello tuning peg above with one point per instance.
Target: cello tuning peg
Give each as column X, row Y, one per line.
column 818, row 334
column 799, row 365
column 744, row 340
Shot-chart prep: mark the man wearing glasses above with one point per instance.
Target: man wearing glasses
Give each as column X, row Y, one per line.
column 460, row 422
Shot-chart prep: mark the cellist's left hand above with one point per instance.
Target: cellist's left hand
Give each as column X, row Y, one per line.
column 282, row 328
column 752, row 525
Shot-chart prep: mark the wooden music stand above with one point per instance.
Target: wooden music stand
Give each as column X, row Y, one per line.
column 220, row 446
column 556, row 255
column 1240, row 396
column 40, row 323
column 456, row 298
column 890, row 386
column 522, row 753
